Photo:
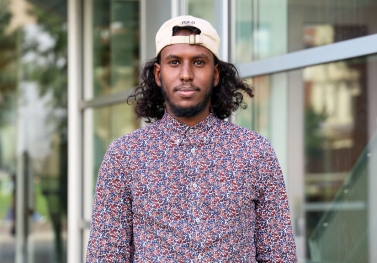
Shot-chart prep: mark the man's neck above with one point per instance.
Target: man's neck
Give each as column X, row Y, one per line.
column 191, row 121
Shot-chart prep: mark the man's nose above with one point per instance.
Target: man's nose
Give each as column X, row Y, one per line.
column 187, row 72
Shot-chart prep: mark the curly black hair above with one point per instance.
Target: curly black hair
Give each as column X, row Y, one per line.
column 226, row 98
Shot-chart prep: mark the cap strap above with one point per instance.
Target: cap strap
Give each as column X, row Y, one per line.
column 191, row 39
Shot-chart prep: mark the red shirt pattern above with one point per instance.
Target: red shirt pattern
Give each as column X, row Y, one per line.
column 173, row 193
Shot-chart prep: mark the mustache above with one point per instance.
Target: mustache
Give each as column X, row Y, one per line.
column 186, row 87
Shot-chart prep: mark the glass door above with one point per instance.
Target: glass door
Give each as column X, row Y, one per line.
column 33, row 136
column 111, row 71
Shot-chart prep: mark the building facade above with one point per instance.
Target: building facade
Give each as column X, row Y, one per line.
column 67, row 68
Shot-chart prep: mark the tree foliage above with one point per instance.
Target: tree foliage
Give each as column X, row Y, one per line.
column 49, row 67
column 8, row 63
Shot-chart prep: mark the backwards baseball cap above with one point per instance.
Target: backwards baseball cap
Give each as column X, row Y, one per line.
column 207, row 38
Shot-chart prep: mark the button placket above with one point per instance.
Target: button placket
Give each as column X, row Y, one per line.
column 193, row 172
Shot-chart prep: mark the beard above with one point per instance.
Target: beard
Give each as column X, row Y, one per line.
column 192, row 111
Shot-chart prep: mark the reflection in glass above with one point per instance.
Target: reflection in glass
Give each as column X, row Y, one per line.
column 338, row 136
column 261, row 29
column 109, row 124
column 340, row 148
column 115, row 46
column 8, row 119
column 273, row 27
column 257, row 115
column 33, row 136
column 204, row 9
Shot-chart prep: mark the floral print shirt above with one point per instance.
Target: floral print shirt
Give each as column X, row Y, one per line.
column 173, row 193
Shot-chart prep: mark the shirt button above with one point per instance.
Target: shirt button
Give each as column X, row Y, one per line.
column 200, row 257
column 197, row 220
column 177, row 141
column 194, row 185
column 191, row 130
column 193, row 150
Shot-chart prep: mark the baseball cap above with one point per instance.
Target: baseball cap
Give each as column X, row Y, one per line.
column 207, row 38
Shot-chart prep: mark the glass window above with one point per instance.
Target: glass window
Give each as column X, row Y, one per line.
column 116, row 44
column 257, row 115
column 102, row 127
column 274, row 27
column 261, row 29
column 204, row 9
column 339, row 138
column 109, row 124
column 33, row 130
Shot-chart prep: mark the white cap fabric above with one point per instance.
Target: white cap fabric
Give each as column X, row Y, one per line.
column 207, row 38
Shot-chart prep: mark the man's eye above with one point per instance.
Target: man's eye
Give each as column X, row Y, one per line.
column 174, row 62
column 199, row 63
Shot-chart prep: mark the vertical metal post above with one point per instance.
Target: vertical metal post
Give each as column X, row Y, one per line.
column 143, row 30
column 222, row 27
column 232, row 34
column 372, row 158
column 88, row 147
column 184, row 7
column 21, row 236
column 74, row 242
column 175, row 10
column 295, row 167
column 179, row 8
column 278, row 123
column 372, row 201
column 21, row 219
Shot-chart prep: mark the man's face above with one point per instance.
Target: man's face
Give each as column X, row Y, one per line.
column 186, row 75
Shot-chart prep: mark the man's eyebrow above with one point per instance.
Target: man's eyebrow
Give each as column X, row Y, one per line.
column 170, row 56
column 201, row 56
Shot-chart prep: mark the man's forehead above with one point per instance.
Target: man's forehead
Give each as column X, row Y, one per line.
column 185, row 50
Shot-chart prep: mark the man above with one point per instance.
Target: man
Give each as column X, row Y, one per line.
column 190, row 187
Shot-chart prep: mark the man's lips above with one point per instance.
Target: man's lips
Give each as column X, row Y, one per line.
column 186, row 91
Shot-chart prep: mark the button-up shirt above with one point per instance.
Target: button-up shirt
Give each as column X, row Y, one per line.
column 173, row 193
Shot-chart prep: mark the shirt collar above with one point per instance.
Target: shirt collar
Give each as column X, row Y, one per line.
column 178, row 131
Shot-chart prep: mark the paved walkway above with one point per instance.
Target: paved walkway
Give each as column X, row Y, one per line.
column 41, row 247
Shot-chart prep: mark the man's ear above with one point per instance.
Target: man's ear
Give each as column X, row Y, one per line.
column 216, row 75
column 157, row 74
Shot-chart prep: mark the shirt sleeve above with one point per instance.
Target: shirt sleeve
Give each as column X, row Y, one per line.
column 111, row 227
column 273, row 230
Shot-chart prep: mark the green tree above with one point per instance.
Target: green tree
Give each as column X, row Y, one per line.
column 48, row 69
column 8, row 63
